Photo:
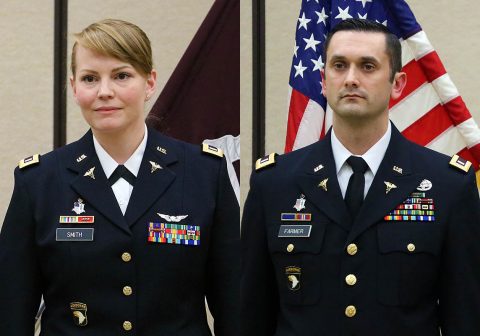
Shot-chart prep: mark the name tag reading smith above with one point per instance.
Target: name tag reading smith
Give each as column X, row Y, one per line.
column 74, row 234
column 298, row 231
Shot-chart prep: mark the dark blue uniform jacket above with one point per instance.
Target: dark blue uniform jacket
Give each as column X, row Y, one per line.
column 375, row 276
column 119, row 283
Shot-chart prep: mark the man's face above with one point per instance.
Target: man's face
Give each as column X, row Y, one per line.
column 356, row 78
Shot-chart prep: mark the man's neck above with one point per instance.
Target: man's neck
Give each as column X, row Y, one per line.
column 358, row 138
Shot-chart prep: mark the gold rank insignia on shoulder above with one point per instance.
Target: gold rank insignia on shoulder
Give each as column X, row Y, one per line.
column 460, row 163
column 31, row 160
column 265, row 161
column 206, row 148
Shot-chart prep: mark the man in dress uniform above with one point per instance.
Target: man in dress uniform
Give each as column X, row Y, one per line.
column 363, row 232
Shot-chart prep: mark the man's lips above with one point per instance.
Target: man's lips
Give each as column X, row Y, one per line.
column 351, row 95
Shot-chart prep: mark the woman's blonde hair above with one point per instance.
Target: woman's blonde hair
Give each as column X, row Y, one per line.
column 119, row 39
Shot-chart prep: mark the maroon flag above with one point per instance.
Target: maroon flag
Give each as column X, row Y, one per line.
column 201, row 100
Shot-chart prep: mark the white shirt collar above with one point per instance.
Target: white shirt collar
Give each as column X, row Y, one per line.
column 373, row 157
column 133, row 163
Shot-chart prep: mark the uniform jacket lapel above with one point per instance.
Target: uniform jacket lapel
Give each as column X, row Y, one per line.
column 329, row 201
column 378, row 203
column 151, row 183
column 94, row 189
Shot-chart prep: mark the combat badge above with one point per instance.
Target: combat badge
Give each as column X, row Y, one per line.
column 79, row 311
column 293, row 274
column 460, row 163
column 425, row 185
column 31, row 160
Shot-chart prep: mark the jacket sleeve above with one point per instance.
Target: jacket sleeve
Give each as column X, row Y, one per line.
column 258, row 291
column 223, row 283
column 460, row 271
column 19, row 271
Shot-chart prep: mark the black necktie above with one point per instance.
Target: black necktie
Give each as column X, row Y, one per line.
column 122, row 172
column 356, row 185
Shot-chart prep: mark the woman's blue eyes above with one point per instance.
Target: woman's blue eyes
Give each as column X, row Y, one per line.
column 91, row 78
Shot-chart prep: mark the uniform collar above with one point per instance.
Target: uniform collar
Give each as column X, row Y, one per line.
column 373, row 157
column 132, row 164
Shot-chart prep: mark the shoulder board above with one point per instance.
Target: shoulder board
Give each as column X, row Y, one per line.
column 460, row 163
column 29, row 161
column 265, row 161
column 209, row 149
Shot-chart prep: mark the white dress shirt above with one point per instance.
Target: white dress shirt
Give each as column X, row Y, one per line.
column 122, row 189
column 373, row 157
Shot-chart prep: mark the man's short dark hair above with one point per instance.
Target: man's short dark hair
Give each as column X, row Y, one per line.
column 393, row 46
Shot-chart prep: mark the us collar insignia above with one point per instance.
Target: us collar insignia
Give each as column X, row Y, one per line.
column 170, row 218
column 79, row 207
column 300, row 203
column 162, row 150
column 155, row 166
column 81, row 158
column 425, row 185
column 323, row 184
column 90, row 174
column 79, row 311
column 398, row 170
column 390, row 186
column 293, row 274
column 317, row 168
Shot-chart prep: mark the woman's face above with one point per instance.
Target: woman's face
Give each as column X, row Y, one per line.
column 110, row 92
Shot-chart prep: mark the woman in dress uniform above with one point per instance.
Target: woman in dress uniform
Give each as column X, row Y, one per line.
column 124, row 231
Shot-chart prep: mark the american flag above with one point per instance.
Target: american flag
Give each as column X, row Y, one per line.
column 430, row 111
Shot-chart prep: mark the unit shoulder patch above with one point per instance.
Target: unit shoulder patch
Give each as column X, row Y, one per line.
column 265, row 161
column 460, row 163
column 29, row 161
column 209, row 149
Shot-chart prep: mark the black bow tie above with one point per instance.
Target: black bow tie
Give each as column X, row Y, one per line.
column 122, row 172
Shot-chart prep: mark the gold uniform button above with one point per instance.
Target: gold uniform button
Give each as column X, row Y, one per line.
column 352, row 249
column 126, row 257
column 350, row 311
column 127, row 290
column 290, row 247
column 127, row 325
column 351, row 279
column 411, row 247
